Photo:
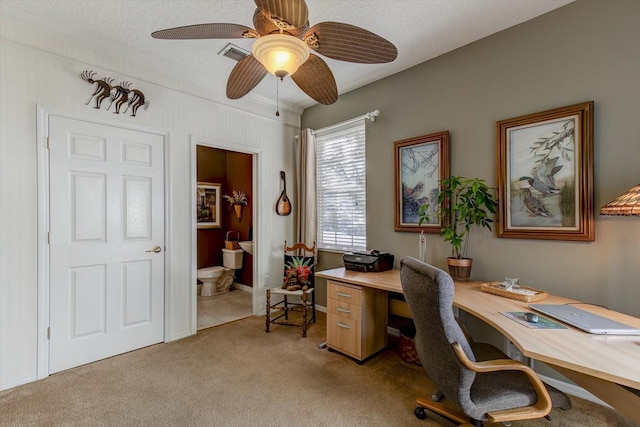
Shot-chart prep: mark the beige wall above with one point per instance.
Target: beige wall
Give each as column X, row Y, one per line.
column 587, row 50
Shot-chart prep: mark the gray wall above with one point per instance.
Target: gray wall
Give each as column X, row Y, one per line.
column 587, row 50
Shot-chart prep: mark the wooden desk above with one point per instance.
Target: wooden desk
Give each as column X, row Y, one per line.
column 597, row 363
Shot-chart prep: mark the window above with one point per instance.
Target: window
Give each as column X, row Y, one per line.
column 341, row 187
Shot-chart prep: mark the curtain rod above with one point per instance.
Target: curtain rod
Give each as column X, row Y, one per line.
column 371, row 116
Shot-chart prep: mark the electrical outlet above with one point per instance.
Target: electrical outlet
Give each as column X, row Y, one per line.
column 514, row 353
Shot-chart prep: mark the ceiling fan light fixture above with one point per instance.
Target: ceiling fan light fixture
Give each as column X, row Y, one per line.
column 285, row 43
column 281, row 54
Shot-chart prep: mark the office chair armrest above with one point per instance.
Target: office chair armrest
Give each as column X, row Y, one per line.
column 465, row 331
column 541, row 408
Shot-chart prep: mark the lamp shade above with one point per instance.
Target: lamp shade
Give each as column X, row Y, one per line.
column 281, row 54
column 625, row 204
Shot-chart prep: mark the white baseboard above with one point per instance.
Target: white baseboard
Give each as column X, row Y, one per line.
column 178, row 336
column 242, row 287
column 18, row 381
column 393, row 331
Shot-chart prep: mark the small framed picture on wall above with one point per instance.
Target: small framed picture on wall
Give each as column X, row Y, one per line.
column 208, row 205
column 421, row 163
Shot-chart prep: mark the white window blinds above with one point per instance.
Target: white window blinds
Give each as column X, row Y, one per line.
column 341, row 187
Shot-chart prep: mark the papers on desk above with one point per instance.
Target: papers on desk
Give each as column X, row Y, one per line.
column 543, row 322
column 523, row 291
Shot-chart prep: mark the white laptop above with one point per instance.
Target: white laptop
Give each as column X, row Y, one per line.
column 581, row 319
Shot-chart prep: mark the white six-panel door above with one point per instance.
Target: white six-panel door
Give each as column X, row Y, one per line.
column 106, row 278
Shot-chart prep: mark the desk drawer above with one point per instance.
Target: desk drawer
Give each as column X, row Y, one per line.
column 344, row 293
column 343, row 334
column 344, row 309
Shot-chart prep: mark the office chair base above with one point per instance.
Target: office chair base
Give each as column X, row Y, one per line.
column 437, row 408
column 450, row 415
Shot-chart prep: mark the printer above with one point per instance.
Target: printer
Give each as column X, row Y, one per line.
column 368, row 261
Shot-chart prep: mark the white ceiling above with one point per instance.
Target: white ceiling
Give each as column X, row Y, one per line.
column 420, row 29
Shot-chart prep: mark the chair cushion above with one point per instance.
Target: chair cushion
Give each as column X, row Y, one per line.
column 494, row 391
column 484, row 351
column 299, row 269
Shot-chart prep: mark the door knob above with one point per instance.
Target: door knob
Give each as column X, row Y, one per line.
column 156, row 249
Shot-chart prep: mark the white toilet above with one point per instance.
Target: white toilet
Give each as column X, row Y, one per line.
column 218, row 279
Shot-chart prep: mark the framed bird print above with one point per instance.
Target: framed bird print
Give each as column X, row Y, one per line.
column 545, row 175
column 421, row 163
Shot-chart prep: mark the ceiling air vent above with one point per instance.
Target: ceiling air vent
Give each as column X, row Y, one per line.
column 234, row 52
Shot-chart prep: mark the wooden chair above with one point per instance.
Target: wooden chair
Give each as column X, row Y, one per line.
column 299, row 283
column 481, row 382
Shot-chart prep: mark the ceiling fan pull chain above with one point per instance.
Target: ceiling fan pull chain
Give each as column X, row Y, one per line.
column 277, row 98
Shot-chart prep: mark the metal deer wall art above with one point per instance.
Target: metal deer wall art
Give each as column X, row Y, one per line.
column 119, row 95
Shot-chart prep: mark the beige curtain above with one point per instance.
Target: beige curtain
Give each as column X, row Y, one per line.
column 305, row 219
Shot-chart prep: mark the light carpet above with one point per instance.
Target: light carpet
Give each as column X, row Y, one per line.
column 238, row 375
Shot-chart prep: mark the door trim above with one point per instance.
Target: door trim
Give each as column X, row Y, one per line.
column 44, row 113
column 257, row 266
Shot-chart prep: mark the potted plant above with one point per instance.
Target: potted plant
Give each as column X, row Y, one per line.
column 462, row 204
column 237, row 200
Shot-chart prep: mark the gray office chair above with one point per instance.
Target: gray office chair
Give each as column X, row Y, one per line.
column 481, row 381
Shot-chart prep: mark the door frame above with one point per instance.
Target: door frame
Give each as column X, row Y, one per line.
column 44, row 113
column 255, row 155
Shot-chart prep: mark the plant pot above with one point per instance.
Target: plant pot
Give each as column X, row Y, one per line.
column 460, row 268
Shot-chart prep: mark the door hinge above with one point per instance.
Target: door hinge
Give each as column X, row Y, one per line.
column 48, row 143
column 49, row 238
column 49, row 333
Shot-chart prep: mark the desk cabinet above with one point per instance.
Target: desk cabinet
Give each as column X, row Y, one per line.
column 356, row 319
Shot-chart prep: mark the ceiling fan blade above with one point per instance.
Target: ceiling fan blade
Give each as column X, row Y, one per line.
column 245, row 76
column 206, row 31
column 286, row 14
column 264, row 26
column 349, row 43
column 316, row 80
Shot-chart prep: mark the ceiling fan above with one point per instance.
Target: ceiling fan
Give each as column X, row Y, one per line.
column 283, row 44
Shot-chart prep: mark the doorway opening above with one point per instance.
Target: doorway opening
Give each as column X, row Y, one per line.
column 224, row 223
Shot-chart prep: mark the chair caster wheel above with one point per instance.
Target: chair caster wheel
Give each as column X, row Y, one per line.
column 419, row 413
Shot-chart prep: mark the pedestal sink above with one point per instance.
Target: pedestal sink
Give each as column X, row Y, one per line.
column 247, row 246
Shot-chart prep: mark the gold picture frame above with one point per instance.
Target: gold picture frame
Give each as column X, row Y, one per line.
column 208, row 206
column 545, row 175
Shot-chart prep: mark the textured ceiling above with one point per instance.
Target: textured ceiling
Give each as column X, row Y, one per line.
column 420, row 29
